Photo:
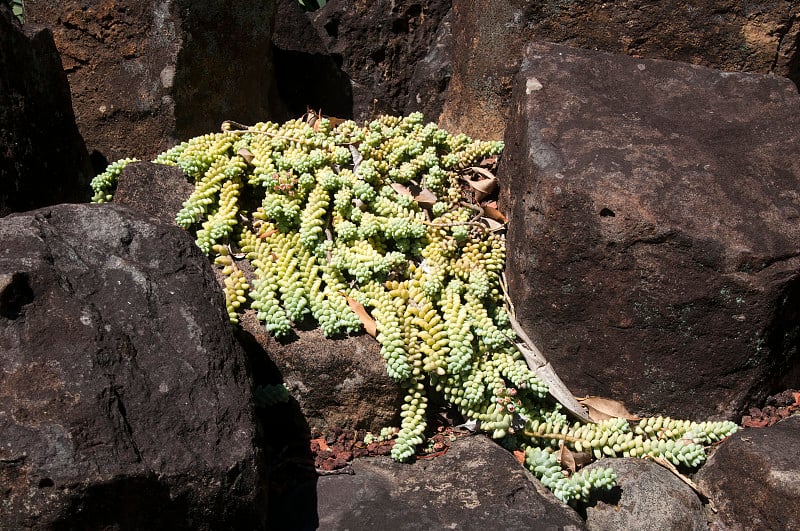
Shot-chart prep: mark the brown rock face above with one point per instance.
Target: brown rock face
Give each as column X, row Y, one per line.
column 43, row 159
column 338, row 383
column 145, row 74
column 655, row 221
column 379, row 44
column 125, row 400
column 759, row 37
column 755, row 477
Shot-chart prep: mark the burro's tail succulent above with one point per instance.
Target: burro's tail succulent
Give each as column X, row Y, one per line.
column 379, row 215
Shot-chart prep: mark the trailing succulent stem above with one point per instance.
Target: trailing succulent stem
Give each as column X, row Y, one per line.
column 331, row 217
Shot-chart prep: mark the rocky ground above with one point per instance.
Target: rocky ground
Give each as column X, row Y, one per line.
column 650, row 177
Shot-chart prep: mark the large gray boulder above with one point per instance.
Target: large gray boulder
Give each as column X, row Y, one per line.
column 379, row 44
column 475, row 485
column 759, row 36
column 146, row 73
column 647, row 497
column 754, row 477
column 125, row 401
column 654, row 242
column 43, row 159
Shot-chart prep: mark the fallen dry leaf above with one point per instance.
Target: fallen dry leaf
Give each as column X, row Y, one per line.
column 401, row 189
column 425, row 198
column 604, row 408
column 482, row 187
column 566, row 459
column 246, row 155
column 492, row 213
column 366, row 319
column 492, row 224
column 520, row 456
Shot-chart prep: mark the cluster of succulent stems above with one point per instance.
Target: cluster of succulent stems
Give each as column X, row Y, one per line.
column 332, row 218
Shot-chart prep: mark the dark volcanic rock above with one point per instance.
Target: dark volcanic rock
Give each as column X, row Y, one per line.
column 475, row 485
column 379, row 44
column 124, row 398
column 153, row 189
column 647, row 497
column 654, row 247
column 755, row 477
column 43, row 159
column 308, row 77
column 145, row 74
column 762, row 36
column 338, row 383
column 432, row 74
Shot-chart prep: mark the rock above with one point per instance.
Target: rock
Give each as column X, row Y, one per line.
column 754, row 476
column 653, row 238
column 124, row 399
column 647, row 497
column 153, row 189
column 379, row 44
column 308, row 77
column 43, row 159
column 432, row 74
column 475, row 485
column 338, row 383
column 753, row 37
column 145, row 74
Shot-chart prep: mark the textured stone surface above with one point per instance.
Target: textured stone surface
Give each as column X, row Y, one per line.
column 337, row 382
column 153, row 189
column 653, row 242
column 754, row 477
column 759, row 36
column 475, row 485
column 432, row 74
column 647, row 497
column 124, row 398
column 43, row 159
column 147, row 73
column 308, row 77
column 379, row 44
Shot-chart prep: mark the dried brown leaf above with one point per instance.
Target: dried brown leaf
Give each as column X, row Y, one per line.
column 483, row 187
column 520, row 456
column 483, row 172
column 425, row 198
column 566, row 459
column 246, row 154
column 366, row 319
column 604, row 408
column 401, row 189
column 493, row 213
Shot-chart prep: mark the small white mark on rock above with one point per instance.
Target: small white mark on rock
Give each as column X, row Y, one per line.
column 163, row 388
column 556, row 189
column 102, row 109
column 640, row 66
column 86, row 318
column 167, row 76
column 532, row 85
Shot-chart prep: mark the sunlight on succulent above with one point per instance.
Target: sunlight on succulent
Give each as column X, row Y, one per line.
column 334, row 217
